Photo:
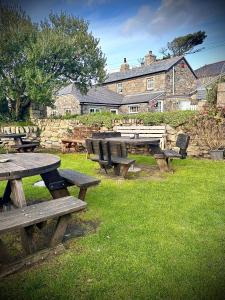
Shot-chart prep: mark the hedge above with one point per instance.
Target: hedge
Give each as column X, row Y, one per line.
column 175, row 118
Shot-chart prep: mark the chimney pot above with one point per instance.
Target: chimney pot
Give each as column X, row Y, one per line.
column 125, row 66
column 149, row 58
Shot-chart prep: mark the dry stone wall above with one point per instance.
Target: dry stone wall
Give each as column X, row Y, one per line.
column 50, row 132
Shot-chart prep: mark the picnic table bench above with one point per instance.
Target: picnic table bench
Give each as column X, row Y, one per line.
column 157, row 132
column 80, row 180
column 165, row 157
column 14, row 167
column 77, row 140
column 21, row 145
column 109, row 155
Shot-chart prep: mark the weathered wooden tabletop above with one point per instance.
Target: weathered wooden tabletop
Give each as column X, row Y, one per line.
column 134, row 141
column 26, row 164
column 12, row 135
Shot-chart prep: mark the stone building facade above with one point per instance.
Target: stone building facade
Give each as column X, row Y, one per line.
column 157, row 85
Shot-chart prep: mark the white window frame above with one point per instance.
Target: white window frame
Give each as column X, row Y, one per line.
column 161, row 105
column 112, row 110
column 119, row 88
column 134, row 106
column 95, row 109
column 148, row 86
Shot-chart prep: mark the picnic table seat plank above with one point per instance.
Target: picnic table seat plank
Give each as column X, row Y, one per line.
column 36, row 213
column 81, row 180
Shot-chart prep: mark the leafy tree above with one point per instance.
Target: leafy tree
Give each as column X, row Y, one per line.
column 184, row 44
column 37, row 59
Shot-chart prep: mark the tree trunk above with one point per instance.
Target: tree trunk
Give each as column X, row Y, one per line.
column 17, row 109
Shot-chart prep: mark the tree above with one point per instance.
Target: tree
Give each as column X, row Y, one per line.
column 37, row 59
column 184, row 44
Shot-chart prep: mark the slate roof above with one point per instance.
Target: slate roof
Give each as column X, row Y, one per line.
column 155, row 67
column 96, row 95
column 142, row 98
column 214, row 69
column 102, row 95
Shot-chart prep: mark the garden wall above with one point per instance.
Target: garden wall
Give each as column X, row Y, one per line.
column 51, row 131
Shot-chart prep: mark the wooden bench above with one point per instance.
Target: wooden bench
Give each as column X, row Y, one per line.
column 108, row 156
column 77, row 140
column 144, row 131
column 80, row 180
column 164, row 158
column 27, row 146
column 29, row 216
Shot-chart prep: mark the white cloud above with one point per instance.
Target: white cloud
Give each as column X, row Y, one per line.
column 172, row 15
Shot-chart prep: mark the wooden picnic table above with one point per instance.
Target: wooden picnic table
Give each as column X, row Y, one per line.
column 16, row 136
column 134, row 141
column 20, row 144
column 148, row 143
column 20, row 165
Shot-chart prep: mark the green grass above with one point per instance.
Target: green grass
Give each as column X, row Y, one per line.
column 157, row 239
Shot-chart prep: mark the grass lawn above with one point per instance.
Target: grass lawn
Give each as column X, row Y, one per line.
column 156, row 239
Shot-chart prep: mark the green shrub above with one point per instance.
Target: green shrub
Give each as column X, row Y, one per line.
column 175, row 118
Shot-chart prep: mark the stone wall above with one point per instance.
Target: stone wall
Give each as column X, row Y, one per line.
column 221, row 94
column 143, row 107
column 32, row 133
column 65, row 104
column 184, row 80
column 85, row 108
column 139, row 85
column 51, row 131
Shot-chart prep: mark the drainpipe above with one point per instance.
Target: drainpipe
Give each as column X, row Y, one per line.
column 173, row 80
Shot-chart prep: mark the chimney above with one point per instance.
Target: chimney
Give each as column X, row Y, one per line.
column 125, row 66
column 149, row 58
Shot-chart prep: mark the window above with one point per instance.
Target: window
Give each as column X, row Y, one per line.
column 119, row 88
column 160, row 106
column 133, row 109
column 150, row 84
column 68, row 111
column 114, row 111
column 94, row 110
column 53, row 113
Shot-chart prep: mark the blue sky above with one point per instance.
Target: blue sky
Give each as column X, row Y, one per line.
column 131, row 28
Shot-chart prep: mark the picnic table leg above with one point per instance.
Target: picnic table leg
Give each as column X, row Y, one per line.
column 27, row 239
column 82, row 193
column 18, row 197
column 6, row 196
column 60, row 229
column 124, row 170
column 117, row 169
column 56, row 185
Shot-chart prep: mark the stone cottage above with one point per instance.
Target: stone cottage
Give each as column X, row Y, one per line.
column 157, row 85
column 207, row 75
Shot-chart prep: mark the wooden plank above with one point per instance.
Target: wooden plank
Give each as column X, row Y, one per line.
column 122, row 160
column 33, row 214
column 117, row 128
column 143, row 131
column 28, row 164
column 78, row 179
column 30, row 260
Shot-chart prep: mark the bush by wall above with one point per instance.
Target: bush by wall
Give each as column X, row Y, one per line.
column 106, row 119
